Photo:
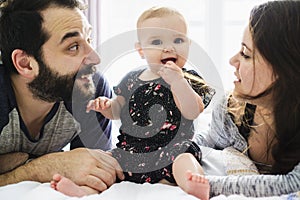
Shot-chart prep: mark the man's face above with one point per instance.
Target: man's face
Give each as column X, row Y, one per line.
column 67, row 61
column 50, row 86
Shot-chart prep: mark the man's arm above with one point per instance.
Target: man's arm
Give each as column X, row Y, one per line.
column 94, row 168
column 11, row 161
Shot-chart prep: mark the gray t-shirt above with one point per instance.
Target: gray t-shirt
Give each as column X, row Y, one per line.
column 67, row 122
column 56, row 134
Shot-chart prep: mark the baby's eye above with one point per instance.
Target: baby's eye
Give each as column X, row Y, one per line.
column 156, row 42
column 178, row 40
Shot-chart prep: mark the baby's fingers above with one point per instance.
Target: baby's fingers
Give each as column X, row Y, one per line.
column 90, row 106
column 104, row 104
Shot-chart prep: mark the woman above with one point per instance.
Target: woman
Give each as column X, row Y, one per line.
column 262, row 116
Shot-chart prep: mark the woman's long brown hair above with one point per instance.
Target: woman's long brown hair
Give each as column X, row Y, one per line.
column 275, row 29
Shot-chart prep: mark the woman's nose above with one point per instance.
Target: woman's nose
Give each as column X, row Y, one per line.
column 234, row 61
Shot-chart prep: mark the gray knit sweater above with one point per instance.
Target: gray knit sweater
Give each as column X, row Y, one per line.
column 224, row 133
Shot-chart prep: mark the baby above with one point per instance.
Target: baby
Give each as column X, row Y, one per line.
column 156, row 106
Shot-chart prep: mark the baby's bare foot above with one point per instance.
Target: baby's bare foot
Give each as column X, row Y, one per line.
column 197, row 185
column 66, row 186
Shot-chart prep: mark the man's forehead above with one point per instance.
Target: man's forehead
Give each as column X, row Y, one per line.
column 60, row 21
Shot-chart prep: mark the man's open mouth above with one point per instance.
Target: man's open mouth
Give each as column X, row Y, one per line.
column 165, row 60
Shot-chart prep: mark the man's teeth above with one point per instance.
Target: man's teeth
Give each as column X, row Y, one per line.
column 84, row 76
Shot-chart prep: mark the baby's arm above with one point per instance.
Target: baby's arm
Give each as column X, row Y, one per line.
column 109, row 108
column 187, row 100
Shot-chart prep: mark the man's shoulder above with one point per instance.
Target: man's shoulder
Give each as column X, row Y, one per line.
column 102, row 85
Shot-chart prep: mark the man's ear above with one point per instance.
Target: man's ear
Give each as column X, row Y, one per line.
column 21, row 61
column 139, row 49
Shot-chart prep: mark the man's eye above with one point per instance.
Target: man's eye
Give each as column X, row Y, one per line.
column 156, row 42
column 178, row 40
column 74, row 48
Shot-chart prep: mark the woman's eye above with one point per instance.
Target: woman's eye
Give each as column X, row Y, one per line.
column 178, row 40
column 156, row 42
column 244, row 55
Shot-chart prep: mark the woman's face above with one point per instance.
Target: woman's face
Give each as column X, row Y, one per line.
column 254, row 74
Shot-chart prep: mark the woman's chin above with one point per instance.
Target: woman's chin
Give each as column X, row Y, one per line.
column 238, row 95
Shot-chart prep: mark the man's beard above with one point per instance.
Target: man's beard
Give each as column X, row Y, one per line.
column 51, row 87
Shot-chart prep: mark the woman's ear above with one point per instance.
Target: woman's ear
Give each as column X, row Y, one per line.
column 138, row 47
column 21, row 61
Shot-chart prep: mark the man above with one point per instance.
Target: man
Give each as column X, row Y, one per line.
column 47, row 76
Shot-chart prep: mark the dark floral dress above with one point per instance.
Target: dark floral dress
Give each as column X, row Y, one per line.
column 153, row 131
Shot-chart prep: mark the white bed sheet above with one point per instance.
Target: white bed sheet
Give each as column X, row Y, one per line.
column 212, row 163
column 29, row 190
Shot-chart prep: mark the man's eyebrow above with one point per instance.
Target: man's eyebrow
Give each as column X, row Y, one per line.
column 69, row 35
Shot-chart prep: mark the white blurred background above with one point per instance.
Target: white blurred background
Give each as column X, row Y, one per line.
column 215, row 25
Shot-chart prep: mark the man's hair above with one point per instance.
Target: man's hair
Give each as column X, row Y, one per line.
column 21, row 25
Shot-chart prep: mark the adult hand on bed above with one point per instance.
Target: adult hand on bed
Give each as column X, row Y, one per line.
column 94, row 168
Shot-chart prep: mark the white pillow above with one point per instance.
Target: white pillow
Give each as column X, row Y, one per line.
column 236, row 163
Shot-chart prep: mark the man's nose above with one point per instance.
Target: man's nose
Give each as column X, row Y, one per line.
column 92, row 57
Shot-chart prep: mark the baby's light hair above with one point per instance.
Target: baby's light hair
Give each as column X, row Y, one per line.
column 157, row 12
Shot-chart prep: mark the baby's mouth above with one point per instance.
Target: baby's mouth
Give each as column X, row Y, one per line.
column 165, row 60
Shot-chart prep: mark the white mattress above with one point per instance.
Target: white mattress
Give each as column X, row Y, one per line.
column 29, row 190
column 212, row 163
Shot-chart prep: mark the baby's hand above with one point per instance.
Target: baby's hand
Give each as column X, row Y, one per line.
column 99, row 104
column 170, row 72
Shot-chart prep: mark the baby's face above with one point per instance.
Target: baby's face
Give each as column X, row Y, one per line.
column 164, row 39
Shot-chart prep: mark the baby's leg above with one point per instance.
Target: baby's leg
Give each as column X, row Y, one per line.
column 188, row 174
column 68, row 187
